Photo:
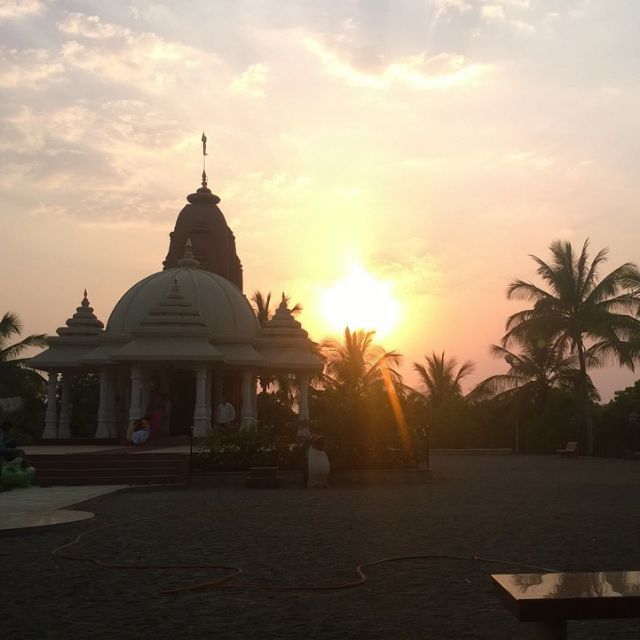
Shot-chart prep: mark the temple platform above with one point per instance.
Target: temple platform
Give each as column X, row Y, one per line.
column 81, row 464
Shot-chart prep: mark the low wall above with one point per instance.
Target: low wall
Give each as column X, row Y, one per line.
column 471, row 452
column 292, row 479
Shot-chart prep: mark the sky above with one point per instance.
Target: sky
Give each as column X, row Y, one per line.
column 433, row 144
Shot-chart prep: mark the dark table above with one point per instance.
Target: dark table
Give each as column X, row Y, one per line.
column 548, row 600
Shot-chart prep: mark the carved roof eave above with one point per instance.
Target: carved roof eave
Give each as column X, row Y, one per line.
column 291, row 360
column 283, row 340
column 179, row 349
column 62, row 356
column 60, row 341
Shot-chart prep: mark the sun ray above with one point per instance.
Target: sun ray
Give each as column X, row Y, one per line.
column 360, row 301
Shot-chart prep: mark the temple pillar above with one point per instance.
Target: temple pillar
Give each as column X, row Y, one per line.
column 246, row 411
column 303, row 402
column 135, row 405
column 200, row 424
column 104, row 410
column 64, row 430
column 207, row 396
column 218, row 387
column 111, row 403
column 51, row 417
column 146, row 391
column 254, row 398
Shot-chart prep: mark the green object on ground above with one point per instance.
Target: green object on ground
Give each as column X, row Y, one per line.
column 13, row 474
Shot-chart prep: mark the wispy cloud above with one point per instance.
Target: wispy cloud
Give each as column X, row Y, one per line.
column 501, row 13
column 93, row 27
column 418, row 71
column 252, row 82
column 13, row 9
column 28, row 68
column 122, row 56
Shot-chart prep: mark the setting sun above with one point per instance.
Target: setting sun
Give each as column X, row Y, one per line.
column 360, row 301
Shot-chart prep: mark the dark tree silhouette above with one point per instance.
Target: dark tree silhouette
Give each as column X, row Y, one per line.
column 577, row 308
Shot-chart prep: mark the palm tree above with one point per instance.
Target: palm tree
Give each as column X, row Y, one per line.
column 579, row 308
column 440, row 378
column 361, row 402
column 15, row 379
column 357, row 364
column 538, row 367
column 262, row 308
column 262, row 304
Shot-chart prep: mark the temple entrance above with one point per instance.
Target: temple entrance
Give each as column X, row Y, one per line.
column 183, row 400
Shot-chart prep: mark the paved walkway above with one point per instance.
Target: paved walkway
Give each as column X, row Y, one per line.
column 45, row 506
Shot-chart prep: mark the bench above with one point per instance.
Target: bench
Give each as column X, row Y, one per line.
column 263, row 478
column 548, row 600
column 571, row 450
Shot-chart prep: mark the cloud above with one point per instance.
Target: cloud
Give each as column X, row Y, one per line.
column 496, row 13
column 20, row 130
column 413, row 271
column 28, row 68
column 252, row 81
column 90, row 27
column 530, row 159
column 121, row 56
column 417, row 71
column 460, row 5
column 12, row 9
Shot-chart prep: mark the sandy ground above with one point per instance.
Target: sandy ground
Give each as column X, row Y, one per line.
column 565, row 514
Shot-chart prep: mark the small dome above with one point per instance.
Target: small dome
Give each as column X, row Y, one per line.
column 222, row 306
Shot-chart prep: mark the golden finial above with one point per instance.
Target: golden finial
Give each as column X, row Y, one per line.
column 204, row 162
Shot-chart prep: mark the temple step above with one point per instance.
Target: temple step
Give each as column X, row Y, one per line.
column 113, row 468
column 263, row 478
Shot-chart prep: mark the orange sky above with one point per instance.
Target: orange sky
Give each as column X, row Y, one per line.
column 436, row 144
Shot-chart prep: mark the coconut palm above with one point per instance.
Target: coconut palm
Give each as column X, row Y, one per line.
column 357, row 364
column 15, row 379
column 262, row 306
column 577, row 308
column 441, row 377
column 533, row 371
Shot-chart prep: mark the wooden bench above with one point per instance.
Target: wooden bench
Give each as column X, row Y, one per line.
column 548, row 600
column 263, row 478
column 571, row 450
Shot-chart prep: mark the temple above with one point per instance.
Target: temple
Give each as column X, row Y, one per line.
column 185, row 336
column 213, row 242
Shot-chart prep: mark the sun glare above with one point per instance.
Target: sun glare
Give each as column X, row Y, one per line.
column 360, row 301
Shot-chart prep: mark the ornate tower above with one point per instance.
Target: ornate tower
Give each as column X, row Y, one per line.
column 213, row 242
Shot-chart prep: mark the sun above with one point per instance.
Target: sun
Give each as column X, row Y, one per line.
column 360, row 301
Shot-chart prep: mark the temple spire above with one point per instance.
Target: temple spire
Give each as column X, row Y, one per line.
column 188, row 260
column 204, row 161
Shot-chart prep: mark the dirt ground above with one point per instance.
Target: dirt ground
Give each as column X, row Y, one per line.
column 575, row 515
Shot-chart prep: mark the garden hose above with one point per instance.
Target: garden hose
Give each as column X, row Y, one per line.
column 224, row 582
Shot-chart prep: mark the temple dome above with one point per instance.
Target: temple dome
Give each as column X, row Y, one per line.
column 221, row 305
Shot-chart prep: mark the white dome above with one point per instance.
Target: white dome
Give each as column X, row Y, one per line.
column 222, row 306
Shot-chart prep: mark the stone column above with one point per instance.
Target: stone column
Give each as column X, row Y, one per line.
column 246, row 412
column 146, row 391
column 303, row 402
column 254, row 397
column 135, row 407
column 200, row 425
column 51, row 417
column 218, row 383
column 112, row 412
column 207, row 396
column 104, row 427
column 64, row 430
